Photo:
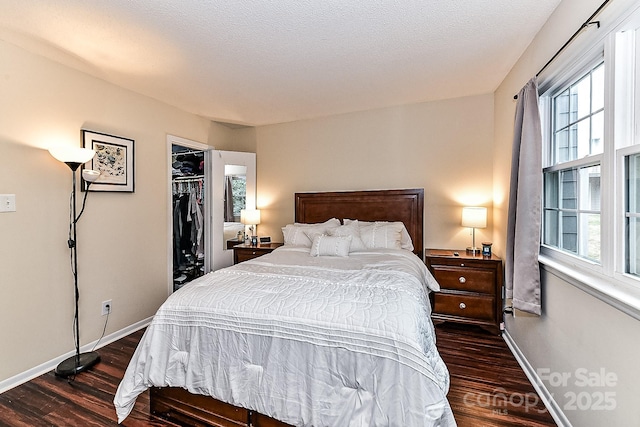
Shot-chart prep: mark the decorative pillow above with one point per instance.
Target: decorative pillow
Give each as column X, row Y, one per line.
column 324, row 245
column 405, row 238
column 352, row 230
column 295, row 234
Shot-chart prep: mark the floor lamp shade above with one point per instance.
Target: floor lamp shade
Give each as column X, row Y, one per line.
column 474, row 217
column 72, row 156
column 90, row 175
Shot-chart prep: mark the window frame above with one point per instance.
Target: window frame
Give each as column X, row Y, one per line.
column 631, row 252
column 561, row 82
column 619, row 47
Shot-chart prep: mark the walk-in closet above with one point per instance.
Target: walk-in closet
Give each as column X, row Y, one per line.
column 188, row 190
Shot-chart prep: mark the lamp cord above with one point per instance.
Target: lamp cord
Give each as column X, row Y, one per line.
column 84, row 200
column 104, row 329
column 72, row 377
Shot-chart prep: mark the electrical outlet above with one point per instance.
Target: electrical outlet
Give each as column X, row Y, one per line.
column 106, row 307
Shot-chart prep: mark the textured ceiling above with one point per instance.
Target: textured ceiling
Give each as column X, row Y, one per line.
column 259, row 62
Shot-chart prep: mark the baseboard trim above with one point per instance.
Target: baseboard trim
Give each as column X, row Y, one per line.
column 547, row 398
column 32, row 373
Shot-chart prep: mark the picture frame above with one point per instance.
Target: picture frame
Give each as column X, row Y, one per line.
column 114, row 160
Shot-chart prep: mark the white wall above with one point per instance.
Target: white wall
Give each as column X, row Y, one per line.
column 575, row 331
column 444, row 147
column 122, row 241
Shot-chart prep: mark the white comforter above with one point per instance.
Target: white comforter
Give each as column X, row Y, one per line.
column 312, row 341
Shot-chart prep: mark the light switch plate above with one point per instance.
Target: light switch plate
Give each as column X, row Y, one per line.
column 7, row 202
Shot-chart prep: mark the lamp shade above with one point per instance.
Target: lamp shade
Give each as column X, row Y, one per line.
column 90, row 175
column 67, row 154
column 250, row 216
column 474, row 217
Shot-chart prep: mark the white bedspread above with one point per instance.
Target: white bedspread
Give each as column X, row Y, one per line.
column 311, row 341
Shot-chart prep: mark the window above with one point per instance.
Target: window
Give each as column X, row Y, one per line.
column 591, row 164
column 571, row 207
column 632, row 214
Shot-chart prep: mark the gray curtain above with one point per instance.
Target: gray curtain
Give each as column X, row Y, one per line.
column 228, row 200
column 523, row 229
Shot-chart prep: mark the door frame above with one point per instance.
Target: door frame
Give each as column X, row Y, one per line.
column 195, row 145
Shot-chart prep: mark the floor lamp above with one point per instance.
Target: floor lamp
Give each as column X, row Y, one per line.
column 74, row 157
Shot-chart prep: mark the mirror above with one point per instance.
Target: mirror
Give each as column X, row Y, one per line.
column 235, row 199
column 240, row 167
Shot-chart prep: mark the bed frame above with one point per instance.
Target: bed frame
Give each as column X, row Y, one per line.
column 179, row 405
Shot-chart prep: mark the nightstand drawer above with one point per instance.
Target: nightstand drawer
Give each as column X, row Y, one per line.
column 245, row 255
column 467, row 306
column 465, row 279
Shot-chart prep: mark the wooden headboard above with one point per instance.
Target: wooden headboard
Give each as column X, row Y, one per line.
column 377, row 205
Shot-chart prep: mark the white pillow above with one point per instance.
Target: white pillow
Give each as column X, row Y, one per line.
column 405, row 238
column 353, row 230
column 381, row 235
column 324, row 245
column 296, row 234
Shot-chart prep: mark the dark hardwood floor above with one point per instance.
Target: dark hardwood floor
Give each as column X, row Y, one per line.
column 488, row 388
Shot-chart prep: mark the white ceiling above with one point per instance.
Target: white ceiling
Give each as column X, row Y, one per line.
column 259, row 62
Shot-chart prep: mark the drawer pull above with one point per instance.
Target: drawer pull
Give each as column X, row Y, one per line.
column 253, row 253
column 462, row 279
column 463, row 306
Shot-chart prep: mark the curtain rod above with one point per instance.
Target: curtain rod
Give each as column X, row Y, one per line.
column 586, row 24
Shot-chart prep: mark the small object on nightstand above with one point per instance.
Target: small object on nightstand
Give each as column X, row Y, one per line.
column 486, row 249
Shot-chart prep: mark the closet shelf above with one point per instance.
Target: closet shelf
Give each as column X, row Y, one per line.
column 188, row 178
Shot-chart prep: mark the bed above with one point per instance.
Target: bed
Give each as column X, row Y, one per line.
column 294, row 339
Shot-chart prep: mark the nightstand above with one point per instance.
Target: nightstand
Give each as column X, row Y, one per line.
column 470, row 288
column 246, row 252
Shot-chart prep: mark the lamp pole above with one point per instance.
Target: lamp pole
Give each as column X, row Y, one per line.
column 74, row 254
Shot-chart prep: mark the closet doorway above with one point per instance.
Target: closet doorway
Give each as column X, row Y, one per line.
column 189, row 211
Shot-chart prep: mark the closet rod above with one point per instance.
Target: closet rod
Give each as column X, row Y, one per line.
column 176, row 153
column 586, row 23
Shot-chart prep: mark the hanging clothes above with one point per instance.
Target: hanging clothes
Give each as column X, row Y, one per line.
column 188, row 228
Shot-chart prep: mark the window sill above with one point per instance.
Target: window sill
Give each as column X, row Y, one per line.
column 617, row 294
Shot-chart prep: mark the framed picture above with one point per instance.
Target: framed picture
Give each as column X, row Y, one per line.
column 113, row 159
